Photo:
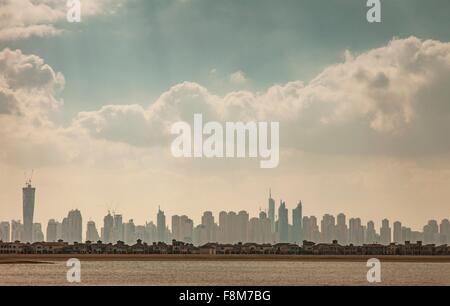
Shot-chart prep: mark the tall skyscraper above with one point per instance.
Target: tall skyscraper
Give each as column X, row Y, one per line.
column 272, row 212
column 5, row 232
column 327, row 226
column 161, row 226
column 371, row 234
column 297, row 219
column 38, row 235
column 283, row 223
column 130, row 232
column 28, row 194
column 118, row 230
column 444, row 230
column 356, row 232
column 52, row 231
column 91, row 232
column 242, row 226
column 176, row 228
column 17, row 231
column 223, row 227
column 398, row 232
column 431, row 232
column 74, row 227
column 208, row 222
column 108, row 229
column 385, row 232
column 342, row 229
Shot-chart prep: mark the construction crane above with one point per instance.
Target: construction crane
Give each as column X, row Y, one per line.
column 28, row 179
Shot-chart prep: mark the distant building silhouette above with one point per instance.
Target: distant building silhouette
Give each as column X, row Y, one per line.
column 28, row 194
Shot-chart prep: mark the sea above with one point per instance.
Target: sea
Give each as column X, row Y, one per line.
column 239, row 273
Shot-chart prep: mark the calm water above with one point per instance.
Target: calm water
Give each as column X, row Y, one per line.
column 226, row 273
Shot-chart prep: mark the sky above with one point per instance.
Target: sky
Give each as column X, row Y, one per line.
column 363, row 108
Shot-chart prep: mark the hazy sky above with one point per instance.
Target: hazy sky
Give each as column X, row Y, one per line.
column 364, row 108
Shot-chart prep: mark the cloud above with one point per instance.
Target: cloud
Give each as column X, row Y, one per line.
column 21, row 19
column 238, row 77
column 28, row 86
column 391, row 100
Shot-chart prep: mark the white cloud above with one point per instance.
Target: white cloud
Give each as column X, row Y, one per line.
column 238, row 77
column 383, row 101
column 21, row 19
column 387, row 101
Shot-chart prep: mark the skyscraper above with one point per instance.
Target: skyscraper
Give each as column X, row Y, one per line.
column 297, row 219
column 356, row 232
column 385, row 232
column 398, row 232
column 16, row 231
column 38, row 235
column 74, row 226
column 272, row 212
column 327, row 226
column 444, row 230
column 208, row 222
column 28, row 194
column 371, row 234
column 52, row 231
column 342, row 229
column 108, row 229
column 5, row 232
column 91, row 232
column 130, row 232
column 161, row 226
column 118, row 230
column 283, row 223
column 242, row 226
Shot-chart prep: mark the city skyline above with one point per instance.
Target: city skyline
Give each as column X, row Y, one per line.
column 226, row 227
column 363, row 108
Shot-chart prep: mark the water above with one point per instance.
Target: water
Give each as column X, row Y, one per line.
column 226, row 273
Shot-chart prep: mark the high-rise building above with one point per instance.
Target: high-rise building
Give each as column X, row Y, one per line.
column 161, row 226
column 223, row 227
column 385, row 232
column 371, row 233
column 108, row 229
column 272, row 212
column 187, row 228
column 208, row 222
column 17, row 231
column 232, row 228
column 176, row 228
column 52, row 231
column 130, row 232
column 150, row 232
column 37, row 235
column 342, row 229
column 297, row 219
column 118, row 230
column 283, row 223
column 356, row 232
column 327, row 226
column 74, row 227
column 91, row 232
column 242, row 226
column 266, row 235
column 398, row 232
column 444, row 230
column 431, row 232
column 5, row 232
column 28, row 194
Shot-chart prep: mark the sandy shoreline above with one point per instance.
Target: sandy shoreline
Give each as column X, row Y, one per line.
column 42, row 259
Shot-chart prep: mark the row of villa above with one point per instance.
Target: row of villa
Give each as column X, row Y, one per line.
column 308, row 248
